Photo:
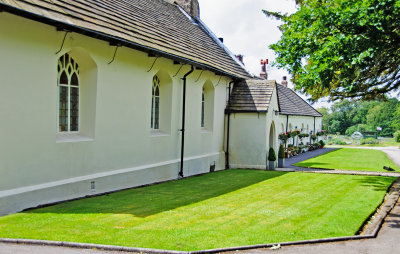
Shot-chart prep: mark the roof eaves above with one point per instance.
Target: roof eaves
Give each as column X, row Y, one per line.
column 112, row 39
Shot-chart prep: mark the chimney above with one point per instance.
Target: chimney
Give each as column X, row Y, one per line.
column 240, row 58
column 263, row 73
column 284, row 81
column 190, row 6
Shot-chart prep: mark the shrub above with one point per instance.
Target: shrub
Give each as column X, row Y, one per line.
column 369, row 141
column 397, row 136
column 271, row 154
column 281, row 152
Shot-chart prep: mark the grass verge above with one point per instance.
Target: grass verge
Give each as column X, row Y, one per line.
column 351, row 159
column 221, row 209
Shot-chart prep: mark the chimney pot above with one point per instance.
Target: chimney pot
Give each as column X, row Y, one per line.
column 284, row 81
column 263, row 73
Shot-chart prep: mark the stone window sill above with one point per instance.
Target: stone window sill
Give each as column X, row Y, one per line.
column 71, row 137
column 158, row 133
column 205, row 130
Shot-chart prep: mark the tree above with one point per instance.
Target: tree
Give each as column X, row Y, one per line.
column 382, row 115
column 348, row 116
column 341, row 48
column 396, row 119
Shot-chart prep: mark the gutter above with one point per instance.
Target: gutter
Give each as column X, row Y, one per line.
column 183, row 120
column 111, row 39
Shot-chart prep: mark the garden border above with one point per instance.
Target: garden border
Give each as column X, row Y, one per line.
column 371, row 231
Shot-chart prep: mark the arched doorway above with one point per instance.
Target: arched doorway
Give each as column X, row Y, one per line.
column 272, row 136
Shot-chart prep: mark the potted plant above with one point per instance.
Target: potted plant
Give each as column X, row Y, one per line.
column 322, row 143
column 271, row 159
column 281, row 157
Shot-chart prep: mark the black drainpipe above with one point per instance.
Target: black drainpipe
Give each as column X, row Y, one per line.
column 314, row 124
column 183, row 119
column 227, row 165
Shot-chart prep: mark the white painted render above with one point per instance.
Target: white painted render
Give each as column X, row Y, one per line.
column 250, row 134
column 115, row 147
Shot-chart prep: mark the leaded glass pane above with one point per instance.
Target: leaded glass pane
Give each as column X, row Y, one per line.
column 156, row 112
column 64, row 78
column 74, row 80
column 68, row 112
column 152, row 112
column 74, row 108
column 155, row 103
column 63, row 109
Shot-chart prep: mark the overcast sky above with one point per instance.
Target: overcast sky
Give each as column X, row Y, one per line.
column 245, row 29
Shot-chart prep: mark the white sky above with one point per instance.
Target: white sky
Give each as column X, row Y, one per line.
column 247, row 31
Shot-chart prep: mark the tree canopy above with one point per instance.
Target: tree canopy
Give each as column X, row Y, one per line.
column 348, row 116
column 341, row 48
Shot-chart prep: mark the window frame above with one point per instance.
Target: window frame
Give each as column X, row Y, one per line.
column 75, row 70
column 155, row 112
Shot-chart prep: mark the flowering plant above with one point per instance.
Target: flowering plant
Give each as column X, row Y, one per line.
column 294, row 133
column 321, row 133
column 303, row 135
column 284, row 136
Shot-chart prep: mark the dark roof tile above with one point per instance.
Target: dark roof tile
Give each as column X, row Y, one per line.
column 151, row 24
column 292, row 104
column 251, row 95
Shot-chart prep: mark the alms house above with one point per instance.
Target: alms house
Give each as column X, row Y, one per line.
column 98, row 96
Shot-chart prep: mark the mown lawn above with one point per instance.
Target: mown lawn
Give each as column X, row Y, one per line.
column 221, row 209
column 351, row 159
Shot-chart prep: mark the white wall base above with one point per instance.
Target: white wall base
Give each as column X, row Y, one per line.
column 15, row 200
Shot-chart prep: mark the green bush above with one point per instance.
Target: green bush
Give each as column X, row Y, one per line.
column 271, row 154
column 397, row 136
column 337, row 142
column 369, row 141
column 281, row 152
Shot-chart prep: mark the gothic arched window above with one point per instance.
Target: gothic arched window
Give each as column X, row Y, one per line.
column 68, row 94
column 155, row 104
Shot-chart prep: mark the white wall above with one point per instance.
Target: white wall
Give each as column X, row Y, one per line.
column 303, row 123
column 116, row 147
column 250, row 134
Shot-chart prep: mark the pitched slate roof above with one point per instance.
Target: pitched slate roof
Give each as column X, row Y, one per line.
column 251, row 95
column 254, row 95
column 154, row 26
column 292, row 104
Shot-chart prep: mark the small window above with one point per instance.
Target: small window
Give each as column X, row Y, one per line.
column 202, row 108
column 155, row 104
column 68, row 94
